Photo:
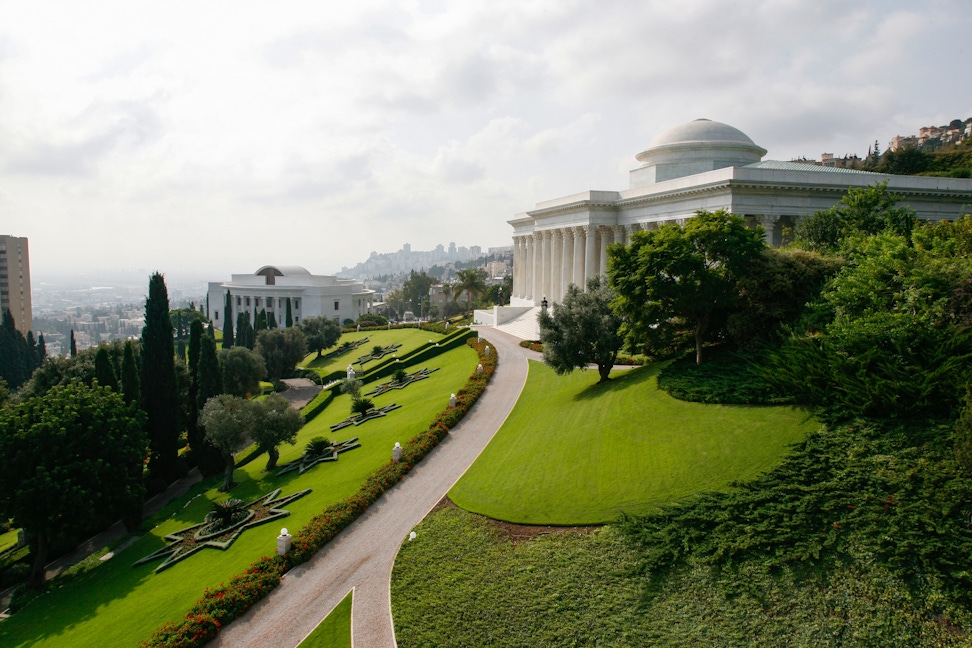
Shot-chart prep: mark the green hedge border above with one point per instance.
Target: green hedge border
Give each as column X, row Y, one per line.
column 228, row 601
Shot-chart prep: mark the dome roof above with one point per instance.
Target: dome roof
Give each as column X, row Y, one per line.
column 701, row 131
column 281, row 271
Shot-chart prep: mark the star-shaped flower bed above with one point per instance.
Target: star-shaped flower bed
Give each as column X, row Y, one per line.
column 377, row 355
column 421, row 374
column 358, row 419
column 189, row 540
column 307, row 462
column 344, row 348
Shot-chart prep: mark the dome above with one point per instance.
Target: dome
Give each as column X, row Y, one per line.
column 701, row 131
column 695, row 147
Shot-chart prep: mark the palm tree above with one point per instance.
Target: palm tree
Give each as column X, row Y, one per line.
column 471, row 281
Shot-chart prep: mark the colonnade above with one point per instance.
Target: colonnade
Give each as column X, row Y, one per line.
column 546, row 261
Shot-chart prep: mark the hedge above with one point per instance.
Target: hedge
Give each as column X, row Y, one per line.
column 226, row 602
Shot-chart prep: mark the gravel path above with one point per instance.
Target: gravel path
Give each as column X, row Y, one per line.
column 362, row 556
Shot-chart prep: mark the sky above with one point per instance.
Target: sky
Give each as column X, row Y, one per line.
column 217, row 137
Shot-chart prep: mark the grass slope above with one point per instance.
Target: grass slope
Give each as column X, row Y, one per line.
column 573, row 452
column 461, row 583
column 334, row 631
column 116, row 604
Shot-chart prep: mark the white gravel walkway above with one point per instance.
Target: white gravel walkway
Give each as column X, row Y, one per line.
column 362, row 556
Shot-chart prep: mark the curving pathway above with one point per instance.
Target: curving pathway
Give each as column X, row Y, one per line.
column 362, row 556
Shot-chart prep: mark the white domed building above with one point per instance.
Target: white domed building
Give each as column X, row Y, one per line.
column 702, row 164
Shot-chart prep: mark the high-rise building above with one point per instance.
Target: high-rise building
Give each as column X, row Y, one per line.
column 15, row 281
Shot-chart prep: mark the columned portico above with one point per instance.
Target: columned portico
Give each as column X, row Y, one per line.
column 580, row 243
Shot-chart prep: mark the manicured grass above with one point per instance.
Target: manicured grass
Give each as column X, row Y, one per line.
column 574, row 452
column 334, row 631
column 410, row 339
column 8, row 539
column 117, row 605
column 461, row 583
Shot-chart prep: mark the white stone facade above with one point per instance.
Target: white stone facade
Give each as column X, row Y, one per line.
column 698, row 165
column 270, row 287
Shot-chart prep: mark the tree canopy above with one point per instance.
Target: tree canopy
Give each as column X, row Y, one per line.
column 281, row 350
column 582, row 330
column 71, row 457
column 277, row 423
column 242, row 371
column 681, row 277
column 230, row 422
column 320, row 333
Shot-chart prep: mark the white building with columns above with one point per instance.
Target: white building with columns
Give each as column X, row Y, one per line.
column 270, row 287
column 699, row 165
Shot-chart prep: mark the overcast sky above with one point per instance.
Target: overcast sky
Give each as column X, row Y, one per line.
column 217, row 137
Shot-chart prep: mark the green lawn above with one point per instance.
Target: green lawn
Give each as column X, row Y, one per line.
column 334, row 631
column 8, row 539
column 409, row 338
column 118, row 605
column 574, row 452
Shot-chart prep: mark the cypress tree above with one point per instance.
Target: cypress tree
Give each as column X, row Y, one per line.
column 195, row 340
column 290, row 318
column 261, row 321
column 209, row 383
column 30, row 357
column 271, row 320
column 160, row 397
column 228, row 322
column 104, row 372
column 41, row 350
column 129, row 375
column 13, row 368
column 210, row 331
column 74, row 345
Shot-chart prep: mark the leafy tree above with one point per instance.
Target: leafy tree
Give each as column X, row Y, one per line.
column 242, row 371
column 281, row 350
column 230, row 422
column 368, row 319
column 71, row 458
column 182, row 319
column 4, row 393
column 682, row 277
column 415, row 290
column 160, row 396
column 228, row 321
column 320, row 333
column 278, row 423
column 863, row 211
column 583, row 330
column 104, row 372
column 774, row 293
column 471, row 281
column 130, row 385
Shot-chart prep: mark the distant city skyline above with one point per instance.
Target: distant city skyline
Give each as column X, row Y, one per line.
column 191, row 139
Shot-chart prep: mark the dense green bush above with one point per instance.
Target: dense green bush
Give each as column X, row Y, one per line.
column 726, row 377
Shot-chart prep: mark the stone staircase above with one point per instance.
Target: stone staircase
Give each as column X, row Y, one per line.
column 523, row 326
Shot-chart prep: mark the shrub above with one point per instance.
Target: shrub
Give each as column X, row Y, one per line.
column 317, row 446
column 399, row 376
column 362, row 406
column 225, row 514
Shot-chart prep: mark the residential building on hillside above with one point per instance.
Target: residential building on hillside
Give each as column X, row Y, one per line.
column 270, row 287
column 702, row 164
column 15, row 281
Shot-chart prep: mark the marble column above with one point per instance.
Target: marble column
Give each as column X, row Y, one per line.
column 606, row 233
column 517, row 265
column 537, row 267
column 769, row 226
column 567, row 261
column 545, row 266
column 556, row 268
column 580, row 241
column 590, row 253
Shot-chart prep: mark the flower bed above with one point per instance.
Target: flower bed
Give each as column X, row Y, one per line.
column 222, row 604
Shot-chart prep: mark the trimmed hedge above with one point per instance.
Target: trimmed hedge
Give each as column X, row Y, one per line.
column 226, row 602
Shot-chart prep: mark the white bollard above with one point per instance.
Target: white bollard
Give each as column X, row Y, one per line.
column 284, row 542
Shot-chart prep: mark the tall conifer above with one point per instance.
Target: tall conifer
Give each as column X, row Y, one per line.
column 290, row 318
column 104, row 372
column 160, row 397
column 74, row 345
column 228, row 322
column 129, row 375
